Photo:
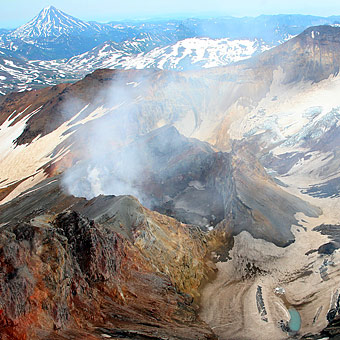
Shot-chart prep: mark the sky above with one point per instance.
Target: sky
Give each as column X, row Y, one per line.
column 14, row 13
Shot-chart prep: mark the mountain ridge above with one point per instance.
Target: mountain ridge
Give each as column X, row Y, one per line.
column 171, row 30
column 35, row 53
column 193, row 53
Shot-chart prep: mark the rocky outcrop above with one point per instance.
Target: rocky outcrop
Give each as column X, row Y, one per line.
column 64, row 275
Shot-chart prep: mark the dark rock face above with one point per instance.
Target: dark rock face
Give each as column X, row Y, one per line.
column 330, row 188
column 90, row 247
column 331, row 230
column 328, row 248
column 259, row 205
column 333, row 233
column 180, row 177
column 188, row 180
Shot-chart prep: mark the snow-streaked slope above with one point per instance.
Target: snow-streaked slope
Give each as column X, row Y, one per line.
column 192, row 53
column 108, row 55
column 299, row 128
column 185, row 54
column 291, row 112
column 198, row 53
column 19, row 75
column 30, row 157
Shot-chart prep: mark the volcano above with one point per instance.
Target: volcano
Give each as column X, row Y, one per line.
column 154, row 204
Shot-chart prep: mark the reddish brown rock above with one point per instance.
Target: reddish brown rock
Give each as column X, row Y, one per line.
column 64, row 276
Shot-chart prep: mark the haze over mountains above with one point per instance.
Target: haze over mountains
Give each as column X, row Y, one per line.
column 192, row 195
column 54, row 47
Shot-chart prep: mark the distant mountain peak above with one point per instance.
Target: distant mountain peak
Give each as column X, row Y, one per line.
column 47, row 12
column 49, row 23
column 49, row 8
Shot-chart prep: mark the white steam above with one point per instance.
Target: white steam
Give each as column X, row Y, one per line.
column 104, row 168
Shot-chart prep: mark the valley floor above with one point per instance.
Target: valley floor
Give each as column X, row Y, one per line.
column 231, row 303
